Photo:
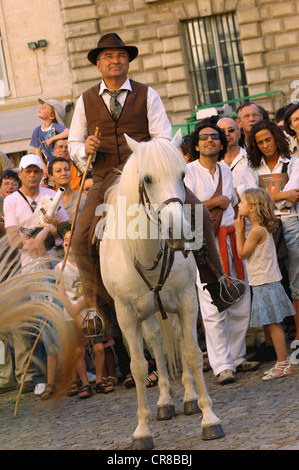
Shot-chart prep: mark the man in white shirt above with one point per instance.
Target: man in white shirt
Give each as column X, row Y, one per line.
column 19, row 206
column 226, row 330
column 235, row 157
column 236, row 160
column 19, row 214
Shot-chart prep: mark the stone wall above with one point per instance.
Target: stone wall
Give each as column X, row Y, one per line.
column 40, row 73
column 44, row 72
column 268, row 30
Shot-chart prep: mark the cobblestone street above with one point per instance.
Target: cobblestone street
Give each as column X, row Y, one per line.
column 255, row 416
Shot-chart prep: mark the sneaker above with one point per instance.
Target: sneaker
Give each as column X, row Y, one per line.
column 91, row 377
column 226, row 377
column 39, row 389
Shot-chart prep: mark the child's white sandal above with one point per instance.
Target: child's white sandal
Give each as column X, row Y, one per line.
column 285, row 368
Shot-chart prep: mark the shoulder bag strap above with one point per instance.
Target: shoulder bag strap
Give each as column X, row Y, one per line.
column 24, row 197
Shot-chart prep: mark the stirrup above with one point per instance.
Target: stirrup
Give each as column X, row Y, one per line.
column 232, row 290
column 93, row 324
column 284, row 366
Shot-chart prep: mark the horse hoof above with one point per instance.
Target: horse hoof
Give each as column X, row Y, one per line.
column 142, row 443
column 165, row 412
column 191, row 407
column 212, row 432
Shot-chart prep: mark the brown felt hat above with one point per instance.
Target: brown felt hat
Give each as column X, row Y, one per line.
column 111, row 41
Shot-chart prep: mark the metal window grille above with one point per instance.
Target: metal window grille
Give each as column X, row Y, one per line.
column 216, row 60
column 4, row 85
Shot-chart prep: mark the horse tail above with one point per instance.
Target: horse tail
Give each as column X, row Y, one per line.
column 170, row 330
column 30, row 303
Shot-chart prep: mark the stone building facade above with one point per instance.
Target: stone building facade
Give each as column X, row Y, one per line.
column 269, row 41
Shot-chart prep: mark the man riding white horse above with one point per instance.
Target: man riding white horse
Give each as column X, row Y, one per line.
column 118, row 106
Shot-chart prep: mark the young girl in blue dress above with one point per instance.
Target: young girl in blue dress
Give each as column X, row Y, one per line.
column 270, row 303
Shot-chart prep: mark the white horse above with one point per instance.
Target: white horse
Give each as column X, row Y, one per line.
column 154, row 175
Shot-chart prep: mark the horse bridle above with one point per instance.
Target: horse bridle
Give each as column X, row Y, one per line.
column 167, row 262
column 145, row 201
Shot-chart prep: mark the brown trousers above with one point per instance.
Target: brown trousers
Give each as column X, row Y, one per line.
column 87, row 258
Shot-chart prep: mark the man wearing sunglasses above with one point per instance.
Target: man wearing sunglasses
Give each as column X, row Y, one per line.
column 235, row 157
column 225, row 331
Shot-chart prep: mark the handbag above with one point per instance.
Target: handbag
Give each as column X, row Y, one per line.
column 217, row 212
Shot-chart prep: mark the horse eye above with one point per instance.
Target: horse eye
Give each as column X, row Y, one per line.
column 183, row 175
column 147, row 179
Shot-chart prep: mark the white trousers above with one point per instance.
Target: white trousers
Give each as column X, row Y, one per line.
column 225, row 332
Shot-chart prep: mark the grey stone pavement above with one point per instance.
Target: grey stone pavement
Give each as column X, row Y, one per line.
column 255, row 415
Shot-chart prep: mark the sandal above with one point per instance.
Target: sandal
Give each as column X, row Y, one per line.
column 85, row 392
column 112, row 380
column 48, row 393
column 74, row 388
column 150, row 381
column 129, row 381
column 104, row 387
column 280, row 369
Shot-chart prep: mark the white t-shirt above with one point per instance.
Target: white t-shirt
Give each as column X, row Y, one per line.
column 17, row 213
column 72, row 286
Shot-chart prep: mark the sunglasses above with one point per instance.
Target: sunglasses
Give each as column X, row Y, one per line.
column 230, row 130
column 206, row 136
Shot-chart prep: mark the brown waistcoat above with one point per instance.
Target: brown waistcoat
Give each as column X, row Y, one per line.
column 132, row 121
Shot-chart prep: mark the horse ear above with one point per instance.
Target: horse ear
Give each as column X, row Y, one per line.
column 177, row 139
column 131, row 143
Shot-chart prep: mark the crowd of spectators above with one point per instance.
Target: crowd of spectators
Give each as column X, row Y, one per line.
column 254, row 152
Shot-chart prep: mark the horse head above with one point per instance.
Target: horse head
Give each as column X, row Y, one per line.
column 161, row 171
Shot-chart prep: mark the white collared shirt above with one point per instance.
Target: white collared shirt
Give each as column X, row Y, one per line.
column 158, row 122
column 237, row 169
column 200, row 181
column 251, row 178
column 125, row 88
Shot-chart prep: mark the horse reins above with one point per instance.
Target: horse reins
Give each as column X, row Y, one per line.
column 166, row 267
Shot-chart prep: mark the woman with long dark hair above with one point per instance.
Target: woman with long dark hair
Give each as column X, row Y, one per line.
column 271, row 167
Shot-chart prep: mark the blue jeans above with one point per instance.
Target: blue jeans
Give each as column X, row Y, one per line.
column 40, row 361
column 290, row 227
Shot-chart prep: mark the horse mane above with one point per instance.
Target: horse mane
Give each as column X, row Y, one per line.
column 157, row 157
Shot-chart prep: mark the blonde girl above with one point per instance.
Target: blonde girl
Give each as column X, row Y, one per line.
column 270, row 303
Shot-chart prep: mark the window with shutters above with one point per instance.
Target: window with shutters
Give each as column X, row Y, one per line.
column 216, row 61
column 4, row 85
